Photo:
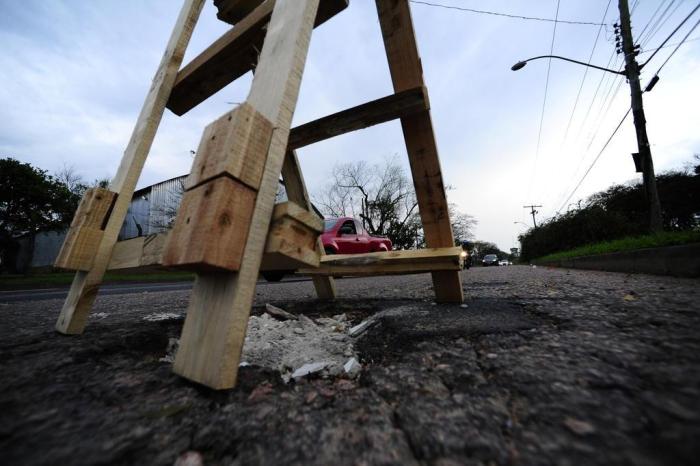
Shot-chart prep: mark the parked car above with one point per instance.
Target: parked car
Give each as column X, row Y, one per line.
column 489, row 259
column 503, row 262
column 345, row 235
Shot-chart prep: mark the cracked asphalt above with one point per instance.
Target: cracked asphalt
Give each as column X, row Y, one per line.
column 543, row 366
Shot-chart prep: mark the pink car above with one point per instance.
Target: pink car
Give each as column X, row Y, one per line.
column 346, row 235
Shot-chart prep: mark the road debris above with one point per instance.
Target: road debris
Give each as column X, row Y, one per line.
column 279, row 313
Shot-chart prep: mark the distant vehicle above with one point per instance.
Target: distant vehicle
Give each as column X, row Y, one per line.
column 466, row 254
column 489, row 259
column 345, row 235
column 503, row 262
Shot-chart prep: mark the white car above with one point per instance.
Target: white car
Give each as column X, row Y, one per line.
column 503, row 262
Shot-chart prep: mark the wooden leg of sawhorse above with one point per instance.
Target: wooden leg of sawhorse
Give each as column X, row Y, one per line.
column 217, row 317
column 296, row 192
column 83, row 291
column 406, row 73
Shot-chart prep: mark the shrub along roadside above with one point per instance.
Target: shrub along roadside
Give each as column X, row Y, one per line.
column 627, row 244
column 616, row 213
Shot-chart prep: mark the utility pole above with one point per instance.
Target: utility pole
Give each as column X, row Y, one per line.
column 647, row 164
column 533, row 212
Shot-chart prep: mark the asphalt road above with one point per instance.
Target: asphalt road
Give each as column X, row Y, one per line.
column 542, row 366
column 12, row 296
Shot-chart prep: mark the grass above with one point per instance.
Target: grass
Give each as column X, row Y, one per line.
column 60, row 279
column 627, row 244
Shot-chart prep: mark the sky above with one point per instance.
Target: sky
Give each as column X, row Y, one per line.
column 74, row 74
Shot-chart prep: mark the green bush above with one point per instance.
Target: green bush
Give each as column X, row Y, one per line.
column 618, row 212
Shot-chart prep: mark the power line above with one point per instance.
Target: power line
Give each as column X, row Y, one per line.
column 585, row 73
column 677, row 47
column 671, row 35
column 544, row 101
column 596, row 159
column 660, row 23
column 669, row 45
column 646, row 26
column 507, row 15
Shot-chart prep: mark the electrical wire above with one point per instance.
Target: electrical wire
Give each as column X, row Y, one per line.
column 507, row 15
column 671, row 35
column 677, row 47
column 669, row 45
column 596, row 159
column 544, row 102
column 660, row 23
column 585, row 73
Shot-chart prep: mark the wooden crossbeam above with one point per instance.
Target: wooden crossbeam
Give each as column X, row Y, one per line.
column 231, row 56
column 233, row 11
column 389, row 262
column 406, row 73
column 399, row 105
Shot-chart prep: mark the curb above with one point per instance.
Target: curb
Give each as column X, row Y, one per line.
column 678, row 261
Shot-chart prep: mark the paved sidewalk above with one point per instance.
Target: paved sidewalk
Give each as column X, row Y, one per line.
column 544, row 366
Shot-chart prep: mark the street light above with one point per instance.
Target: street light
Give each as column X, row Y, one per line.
column 522, row 64
column 523, row 223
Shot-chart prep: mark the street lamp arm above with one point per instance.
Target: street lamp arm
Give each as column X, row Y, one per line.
column 521, row 64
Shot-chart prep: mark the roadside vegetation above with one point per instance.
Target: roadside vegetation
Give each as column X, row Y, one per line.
column 619, row 218
column 668, row 238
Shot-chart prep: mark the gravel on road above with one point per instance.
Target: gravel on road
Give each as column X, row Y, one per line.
column 541, row 366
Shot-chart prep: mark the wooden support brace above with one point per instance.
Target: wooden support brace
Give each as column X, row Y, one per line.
column 211, row 226
column 232, row 55
column 86, row 230
column 389, row 262
column 406, row 73
column 296, row 192
column 217, row 317
column 233, row 11
column 291, row 241
column 85, row 286
column 378, row 111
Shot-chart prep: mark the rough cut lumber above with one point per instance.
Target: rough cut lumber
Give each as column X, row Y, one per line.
column 378, row 111
column 211, row 226
column 232, row 11
column 83, row 291
column 232, row 146
column 291, row 241
column 406, row 73
column 389, row 262
column 146, row 252
column 217, row 317
column 231, row 56
column 296, row 192
column 86, row 230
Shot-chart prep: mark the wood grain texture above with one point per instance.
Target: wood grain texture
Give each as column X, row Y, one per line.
column 406, row 72
column 291, row 241
column 378, row 111
column 217, row 317
column 231, row 56
column 211, row 226
column 233, row 145
column 85, row 286
column 296, row 192
column 86, row 230
column 390, row 262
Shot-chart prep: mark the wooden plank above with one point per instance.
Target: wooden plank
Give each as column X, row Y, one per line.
column 217, row 317
column 389, row 262
column 230, row 57
column 86, row 230
column 291, row 240
column 146, row 252
column 211, row 226
column 233, row 11
column 83, row 291
column 378, row 111
column 406, row 73
column 232, row 146
column 296, row 192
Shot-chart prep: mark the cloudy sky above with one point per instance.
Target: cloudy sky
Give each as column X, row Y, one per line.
column 73, row 76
